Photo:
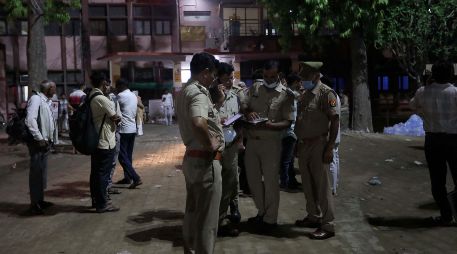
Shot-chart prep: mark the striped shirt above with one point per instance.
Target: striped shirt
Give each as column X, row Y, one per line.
column 437, row 105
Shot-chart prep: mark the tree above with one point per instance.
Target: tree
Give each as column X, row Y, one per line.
column 354, row 19
column 418, row 32
column 38, row 13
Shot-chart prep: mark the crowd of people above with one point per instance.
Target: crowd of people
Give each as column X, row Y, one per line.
column 114, row 114
column 271, row 123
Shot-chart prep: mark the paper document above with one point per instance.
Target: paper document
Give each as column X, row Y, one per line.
column 256, row 121
column 232, row 119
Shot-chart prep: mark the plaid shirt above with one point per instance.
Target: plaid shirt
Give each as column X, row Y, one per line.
column 437, row 105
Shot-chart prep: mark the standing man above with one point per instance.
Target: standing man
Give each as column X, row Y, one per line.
column 335, row 164
column 105, row 120
column 436, row 103
column 287, row 170
column 316, row 129
column 167, row 103
column 230, row 184
column 128, row 103
column 201, row 132
column 267, row 98
column 63, row 112
column 41, row 125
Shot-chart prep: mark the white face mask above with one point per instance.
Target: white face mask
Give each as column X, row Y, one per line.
column 271, row 85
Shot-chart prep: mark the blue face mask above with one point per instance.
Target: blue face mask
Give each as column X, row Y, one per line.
column 307, row 84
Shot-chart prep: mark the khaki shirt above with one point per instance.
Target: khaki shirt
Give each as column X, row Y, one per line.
column 275, row 104
column 232, row 103
column 315, row 108
column 194, row 101
column 101, row 106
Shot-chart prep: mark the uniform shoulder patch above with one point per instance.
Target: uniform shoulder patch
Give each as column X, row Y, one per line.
column 332, row 102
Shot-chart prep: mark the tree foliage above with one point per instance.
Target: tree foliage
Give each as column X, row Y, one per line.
column 53, row 11
column 418, row 32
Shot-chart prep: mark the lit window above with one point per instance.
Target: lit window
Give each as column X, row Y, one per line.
column 383, row 83
column 142, row 27
column 162, row 27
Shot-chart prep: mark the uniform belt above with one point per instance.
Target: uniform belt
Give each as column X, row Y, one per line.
column 312, row 139
column 204, row 154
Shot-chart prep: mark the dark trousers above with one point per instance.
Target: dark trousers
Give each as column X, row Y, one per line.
column 38, row 173
column 244, row 186
column 101, row 164
column 287, row 172
column 441, row 151
column 125, row 156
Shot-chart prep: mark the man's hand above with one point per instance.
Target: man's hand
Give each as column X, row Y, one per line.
column 42, row 143
column 251, row 116
column 223, row 119
column 214, row 144
column 328, row 154
column 116, row 119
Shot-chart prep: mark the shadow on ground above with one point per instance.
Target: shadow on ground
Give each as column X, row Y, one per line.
column 150, row 216
column 429, row 206
column 22, row 210
column 401, row 222
column 171, row 233
column 282, row 231
column 78, row 189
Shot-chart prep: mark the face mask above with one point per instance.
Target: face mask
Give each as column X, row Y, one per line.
column 271, row 85
column 307, row 84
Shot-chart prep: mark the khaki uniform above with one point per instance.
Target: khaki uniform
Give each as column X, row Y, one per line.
column 312, row 128
column 203, row 176
column 263, row 147
column 230, row 180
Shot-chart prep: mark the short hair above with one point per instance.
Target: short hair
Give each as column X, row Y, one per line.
column 45, row 84
column 292, row 78
column 224, row 68
column 97, row 78
column 258, row 74
column 122, row 83
column 442, row 71
column 201, row 61
column 271, row 64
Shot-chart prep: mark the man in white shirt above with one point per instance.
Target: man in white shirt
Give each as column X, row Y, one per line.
column 128, row 104
column 167, row 103
column 41, row 125
column 436, row 103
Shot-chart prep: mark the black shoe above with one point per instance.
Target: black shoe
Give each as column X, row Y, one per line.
column 45, row 204
column 36, row 209
column 108, row 209
column 442, row 222
column 228, row 230
column 135, row 184
column 268, row 227
column 235, row 216
column 307, row 223
column 321, row 234
column 113, row 191
column 124, row 181
column 258, row 219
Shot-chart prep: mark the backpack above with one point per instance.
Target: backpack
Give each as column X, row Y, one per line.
column 83, row 132
column 17, row 130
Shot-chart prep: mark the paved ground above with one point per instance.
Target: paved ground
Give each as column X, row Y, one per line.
column 388, row 218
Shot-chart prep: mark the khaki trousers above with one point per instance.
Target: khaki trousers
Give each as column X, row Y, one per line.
column 229, row 178
column 316, row 182
column 203, row 185
column 262, row 160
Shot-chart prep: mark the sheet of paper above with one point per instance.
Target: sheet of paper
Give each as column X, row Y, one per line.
column 232, row 119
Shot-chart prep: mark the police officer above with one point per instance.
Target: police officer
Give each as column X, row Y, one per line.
column 201, row 132
column 316, row 129
column 229, row 108
column 267, row 98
